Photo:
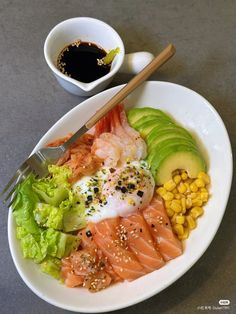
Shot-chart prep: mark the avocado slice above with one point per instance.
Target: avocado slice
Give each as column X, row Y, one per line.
column 159, row 148
column 170, row 158
column 159, row 130
column 138, row 113
column 142, row 121
column 147, row 127
column 169, row 137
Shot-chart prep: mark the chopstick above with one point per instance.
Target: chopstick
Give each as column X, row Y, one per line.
column 136, row 81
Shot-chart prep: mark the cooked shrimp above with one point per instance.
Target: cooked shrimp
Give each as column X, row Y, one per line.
column 107, row 150
column 114, row 129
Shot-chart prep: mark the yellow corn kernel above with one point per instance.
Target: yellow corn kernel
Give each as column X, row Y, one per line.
column 168, row 196
column 184, row 176
column 170, row 212
column 180, row 219
column 183, row 204
column 179, row 229
column 197, row 202
column 203, row 190
column 188, row 203
column 170, row 185
column 178, row 196
column 181, row 188
column 191, row 222
column 187, row 186
column 161, row 191
column 177, row 179
column 167, row 204
column 192, row 195
column 176, row 206
column 199, row 183
column 202, row 175
column 193, row 187
column 173, row 219
column 175, row 191
column 204, row 196
column 196, row 211
column 185, row 235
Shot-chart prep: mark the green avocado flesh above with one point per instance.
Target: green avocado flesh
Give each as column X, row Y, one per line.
column 157, row 146
column 137, row 113
column 177, row 157
column 147, row 127
column 170, row 146
column 159, row 130
column 147, row 119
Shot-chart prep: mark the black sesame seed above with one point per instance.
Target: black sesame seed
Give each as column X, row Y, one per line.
column 124, row 189
column 89, row 198
column 112, row 170
column 131, row 186
column 119, row 182
column 117, row 188
column 88, row 233
column 140, row 193
column 141, row 230
column 152, row 225
column 96, row 190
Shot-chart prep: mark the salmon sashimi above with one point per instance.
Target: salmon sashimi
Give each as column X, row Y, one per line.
column 160, row 227
column 109, row 239
column 84, row 267
column 87, row 241
column 141, row 242
column 116, row 142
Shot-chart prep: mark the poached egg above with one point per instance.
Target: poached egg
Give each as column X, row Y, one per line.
column 113, row 192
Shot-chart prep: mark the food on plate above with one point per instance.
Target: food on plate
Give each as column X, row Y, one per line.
column 184, row 199
column 174, row 149
column 119, row 202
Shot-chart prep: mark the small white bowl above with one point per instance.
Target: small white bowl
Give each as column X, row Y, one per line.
column 90, row 30
column 193, row 112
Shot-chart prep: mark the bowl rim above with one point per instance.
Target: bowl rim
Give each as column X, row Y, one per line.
column 173, row 278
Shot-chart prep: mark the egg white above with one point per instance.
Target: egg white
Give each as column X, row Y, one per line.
column 116, row 192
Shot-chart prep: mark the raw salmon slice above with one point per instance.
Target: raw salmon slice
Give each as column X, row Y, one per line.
column 140, row 242
column 160, row 227
column 87, row 241
column 108, row 239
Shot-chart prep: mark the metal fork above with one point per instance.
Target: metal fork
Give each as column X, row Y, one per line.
column 37, row 164
column 39, row 161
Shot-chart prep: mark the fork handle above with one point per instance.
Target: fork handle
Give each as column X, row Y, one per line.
column 158, row 61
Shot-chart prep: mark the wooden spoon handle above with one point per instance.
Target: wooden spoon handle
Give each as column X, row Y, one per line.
column 156, row 63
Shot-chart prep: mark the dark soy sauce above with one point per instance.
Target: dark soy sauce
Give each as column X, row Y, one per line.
column 79, row 61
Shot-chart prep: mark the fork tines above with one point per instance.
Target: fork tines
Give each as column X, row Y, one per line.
column 21, row 174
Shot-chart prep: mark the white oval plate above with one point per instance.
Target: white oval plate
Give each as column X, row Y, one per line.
column 196, row 114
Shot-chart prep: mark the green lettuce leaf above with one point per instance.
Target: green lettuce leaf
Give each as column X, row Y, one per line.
column 74, row 212
column 39, row 242
column 31, row 246
column 24, row 205
column 54, row 189
column 48, row 216
column 51, row 266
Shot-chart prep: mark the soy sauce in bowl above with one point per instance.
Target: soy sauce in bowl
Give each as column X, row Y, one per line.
column 80, row 61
